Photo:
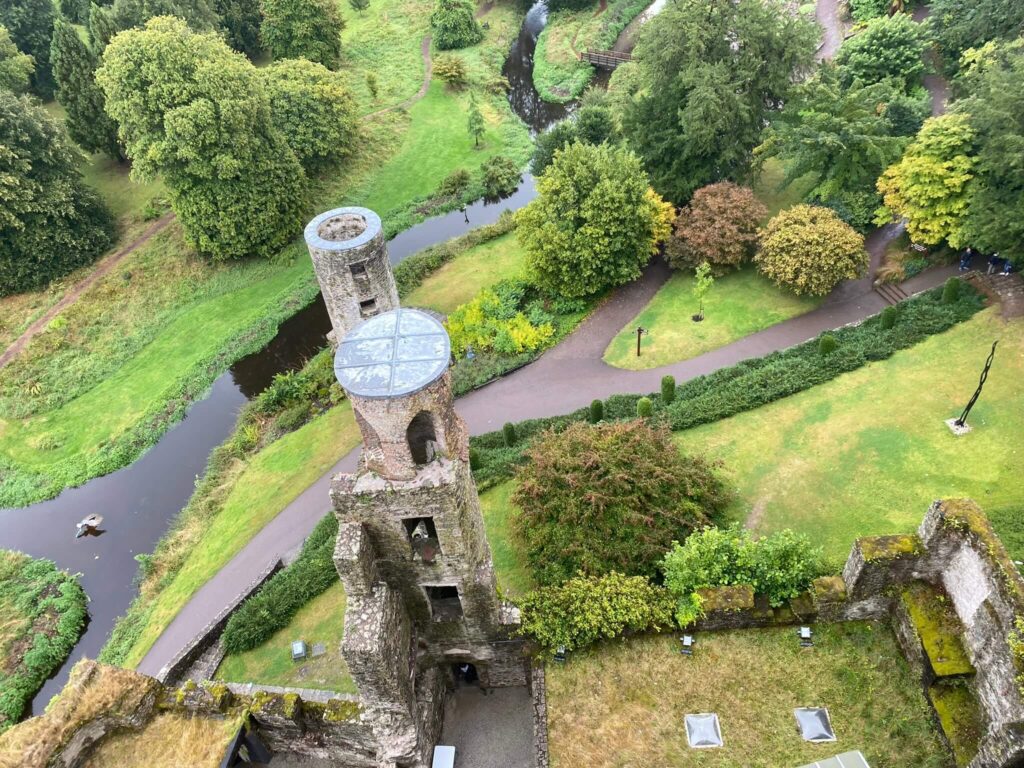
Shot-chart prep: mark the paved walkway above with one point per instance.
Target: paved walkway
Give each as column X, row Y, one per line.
column 493, row 731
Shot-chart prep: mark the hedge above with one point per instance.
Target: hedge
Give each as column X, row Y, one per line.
column 751, row 383
column 276, row 603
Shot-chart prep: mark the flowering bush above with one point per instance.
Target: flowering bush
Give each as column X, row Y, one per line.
column 496, row 320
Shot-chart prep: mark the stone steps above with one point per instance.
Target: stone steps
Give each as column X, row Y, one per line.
column 891, row 292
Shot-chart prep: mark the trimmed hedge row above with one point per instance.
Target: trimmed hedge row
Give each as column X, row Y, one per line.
column 751, row 383
column 276, row 603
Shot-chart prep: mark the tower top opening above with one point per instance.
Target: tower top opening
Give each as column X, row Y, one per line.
column 342, row 229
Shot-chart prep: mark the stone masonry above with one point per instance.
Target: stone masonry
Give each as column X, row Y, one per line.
column 350, row 257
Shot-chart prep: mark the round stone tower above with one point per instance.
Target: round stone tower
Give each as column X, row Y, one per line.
column 350, row 257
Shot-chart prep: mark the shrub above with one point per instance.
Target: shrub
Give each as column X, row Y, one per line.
column 951, row 291
column 644, row 408
column 508, row 432
column 608, row 497
column 454, row 25
column 779, row 566
column 719, row 226
column 668, row 389
column 887, row 319
column 294, row 417
column 810, row 249
column 474, row 459
column 827, row 344
column 586, row 609
column 277, row 601
column 452, row 70
column 455, row 183
column 889, row 47
column 302, row 29
column 557, row 137
column 596, row 411
column 501, row 176
column 865, row 10
column 492, row 321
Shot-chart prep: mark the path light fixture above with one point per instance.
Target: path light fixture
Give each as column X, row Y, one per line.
column 640, row 333
column 686, row 643
column 560, row 654
column 805, row 635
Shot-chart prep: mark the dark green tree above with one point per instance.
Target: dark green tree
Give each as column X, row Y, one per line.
column 195, row 112
column 15, row 66
column 75, row 11
column 74, row 69
column 890, row 48
column 454, row 24
column 51, row 222
column 102, row 27
column 30, row 23
column 302, row 29
column 475, row 121
column 359, row 5
column 962, row 24
column 240, row 20
column 557, row 137
column 595, row 124
column 200, row 14
column 713, row 71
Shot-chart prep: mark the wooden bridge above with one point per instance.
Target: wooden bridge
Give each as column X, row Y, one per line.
column 606, row 59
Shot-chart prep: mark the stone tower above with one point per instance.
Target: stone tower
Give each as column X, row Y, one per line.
column 412, row 552
column 350, row 257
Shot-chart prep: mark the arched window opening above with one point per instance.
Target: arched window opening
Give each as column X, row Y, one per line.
column 421, row 438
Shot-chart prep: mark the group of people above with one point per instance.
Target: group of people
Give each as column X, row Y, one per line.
column 996, row 263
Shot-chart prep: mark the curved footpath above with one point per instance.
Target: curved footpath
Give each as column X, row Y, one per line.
column 565, row 378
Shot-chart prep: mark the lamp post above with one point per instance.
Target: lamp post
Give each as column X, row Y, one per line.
column 640, row 333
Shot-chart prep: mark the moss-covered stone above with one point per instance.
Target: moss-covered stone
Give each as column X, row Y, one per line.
column 938, row 628
column 802, row 605
column 340, row 711
column 959, row 717
column 966, row 516
column 828, row 589
column 875, row 548
column 735, row 598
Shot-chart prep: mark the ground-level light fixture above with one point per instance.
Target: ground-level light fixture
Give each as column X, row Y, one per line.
column 814, row 724
column 686, row 645
column 298, row 650
column 805, row 635
column 560, row 654
column 703, row 731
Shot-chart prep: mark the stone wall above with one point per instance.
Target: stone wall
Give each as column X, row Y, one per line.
column 538, row 691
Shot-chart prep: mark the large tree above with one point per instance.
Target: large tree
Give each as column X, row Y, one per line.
column 30, row 23
column 930, row 186
column 710, row 74
column 200, row 14
column 195, row 112
column 454, row 24
column 102, row 27
column 302, row 29
column 313, row 108
column 240, row 20
column 718, row 227
column 15, row 67
column 842, row 138
column 890, row 48
column 74, row 69
column 50, row 222
column 594, row 223
column 809, row 249
column 995, row 219
column 963, row 24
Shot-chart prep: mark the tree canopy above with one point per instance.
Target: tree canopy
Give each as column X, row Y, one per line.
column 240, row 20
column 15, row 67
column 594, row 223
column 195, row 112
column 454, row 24
column 200, row 14
column 718, row 227
column 710, row 72
column 302, row 29
column 809, row 249
column 963, row 24
column 30, row 24
column 890, row 48
column 51, row 222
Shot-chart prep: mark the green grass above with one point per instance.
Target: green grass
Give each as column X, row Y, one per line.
column 273, row 478
column 459, row 280
column 509, row 564
column 322, row 620
column 634, row 695
column 866, row 453
column 738, row 304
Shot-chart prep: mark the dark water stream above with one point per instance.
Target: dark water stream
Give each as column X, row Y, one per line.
column 139, row 501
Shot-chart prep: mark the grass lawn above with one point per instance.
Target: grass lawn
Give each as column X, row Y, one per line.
column 623, row 704
column 322, row 620
column 168, row 740
column 509, row 564
column 737, row 305
column 461, row 279
column 867, row 453
column 273, row 478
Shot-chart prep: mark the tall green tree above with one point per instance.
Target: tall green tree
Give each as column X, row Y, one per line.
column 200, row 14
column 75, row 11
column 710, row 73
column 74, row 69
column 15, row 67
column 890, row 48
column 454, row 24
column 30, row 23
column 51, row 222
column 195, row 112
column 302, row 29
column 102, row 27
column 475, row 121
column 594, row 223
column 962, row 24
column 240, row 20
column 930, row 186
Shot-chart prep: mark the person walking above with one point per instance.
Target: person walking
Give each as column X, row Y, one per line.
column 993, row 263
column 965, row 259
column 1006, row 266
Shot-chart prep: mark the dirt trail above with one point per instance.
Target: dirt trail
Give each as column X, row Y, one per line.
column 103, row 268
column 428, row 71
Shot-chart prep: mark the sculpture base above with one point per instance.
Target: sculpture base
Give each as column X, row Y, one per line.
column 957, row 429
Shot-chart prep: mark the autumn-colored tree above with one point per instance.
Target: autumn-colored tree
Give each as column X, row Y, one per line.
column 612, row 496
column 718, row 227
column 930, row 186
column 809, row 249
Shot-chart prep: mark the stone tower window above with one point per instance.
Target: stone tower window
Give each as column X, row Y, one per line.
column 422, row 537
column 421, row 437
column 358, row 269
column 368, row 308
column 445, row 604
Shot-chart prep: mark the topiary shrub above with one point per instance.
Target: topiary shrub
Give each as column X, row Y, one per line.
column 827, row 344
column 887, row 319
column 501, row 176
column 779, row 566
column 668, row 389
column 586, row 609
column 454, row 25
column 609, row 497
column 596, row 411
column 508, row 432
column 951, row 291
column 644, row 408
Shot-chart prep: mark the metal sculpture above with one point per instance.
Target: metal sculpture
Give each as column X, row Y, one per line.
column 962, row 421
